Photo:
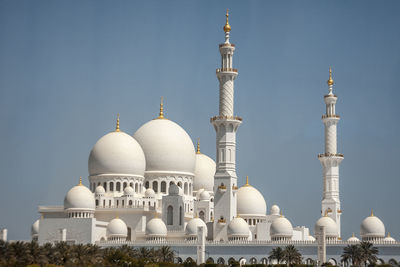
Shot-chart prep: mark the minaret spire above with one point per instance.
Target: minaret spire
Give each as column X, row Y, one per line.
column 226, row 125
column 331, row 159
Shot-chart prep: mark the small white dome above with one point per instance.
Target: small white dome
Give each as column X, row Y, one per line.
column 330, row 226
column 35, row 228
column 389, row 238
column 199, row 192
column 238, row 227
column 250, row 201
column 117, row 153
column 204, row 173
column 156, row 228
column 281, row 227
column 191, row 226
column 128, row 191
column 175, row 190
column 372, row 226
column 167, row 147
column 204, row 196
column 353, row 238
column 149, row 193
column 100, row 190
column 275, row 210
column 79, row 197
column 117, row 228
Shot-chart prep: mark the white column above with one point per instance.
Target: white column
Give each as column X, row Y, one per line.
column 201, row 246
column 3, row 234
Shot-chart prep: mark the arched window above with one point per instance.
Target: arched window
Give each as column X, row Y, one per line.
column 190, row 189
column 105, row 186
column 155, row 186
column 202, row 215
column 136, row 187
column 131, row 185
column 125, row 185
column 111, row 186
column 104, row 202
column 180, row 215
column 117, row 203
column 180, row 184
column 186, row 189
column 170, row 215
column 109, row 203
column 118, row 187
column 123, row 203
column 130, row 202
column 97, row 202
column 163, row 187
column 147, row 184
column 171, row 183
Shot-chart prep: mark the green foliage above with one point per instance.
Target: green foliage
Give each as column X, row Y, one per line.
column 360, row 254
column 61, row 254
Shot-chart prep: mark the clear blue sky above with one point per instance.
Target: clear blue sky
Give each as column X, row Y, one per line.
column 68, row 67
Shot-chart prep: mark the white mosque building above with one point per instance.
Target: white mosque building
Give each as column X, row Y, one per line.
column 154, row 189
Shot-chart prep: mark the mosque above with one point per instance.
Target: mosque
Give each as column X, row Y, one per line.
column 155, row 188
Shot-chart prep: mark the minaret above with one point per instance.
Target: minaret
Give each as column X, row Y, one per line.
column 225, row 124
column 331, row 160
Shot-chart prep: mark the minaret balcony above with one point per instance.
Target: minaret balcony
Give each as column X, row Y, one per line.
column 222, row 188
column 236, row 118
column 226, row 70
column 330, row 116
column 226, row 44
column 340, row 155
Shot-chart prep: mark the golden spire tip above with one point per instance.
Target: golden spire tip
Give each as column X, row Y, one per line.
column 227, row 27
column 353, row 235
column 117, row 127
column 247, row 181
column 330, row 81
column 198, row 146
column 372, row 212
column 80, row 180
column 161, row 114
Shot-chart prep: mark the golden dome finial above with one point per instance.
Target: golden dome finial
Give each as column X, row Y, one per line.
column 372, row 213
column 227, row 27
column 117, row 127
column 388, row 234
column 116, row 216
column 198, row 146
column 281, row 214
column 247, row 181
column 353, row 235
column 80, row 180
column 330, row 81
column 326, row 213
column 161, row 114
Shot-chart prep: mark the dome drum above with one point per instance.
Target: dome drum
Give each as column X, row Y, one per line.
column 116, row 184
column 161, row 183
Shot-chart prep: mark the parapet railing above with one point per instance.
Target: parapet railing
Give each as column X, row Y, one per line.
column 330, row 116
column 221, row 117
column 330, row 155
column 226, row 69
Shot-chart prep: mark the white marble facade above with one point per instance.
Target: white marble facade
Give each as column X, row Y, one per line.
column 154, row 188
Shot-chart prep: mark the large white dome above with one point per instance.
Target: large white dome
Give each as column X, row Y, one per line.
column 238, row 227
column 79, row 197
column 191, row 226
column 250, row 201
column 372, row 226
column 281, row 227
column 330, row 226
column 167, row 147
column 117, row 228
column 117, row 153
column 204, row 173
column 156, row 228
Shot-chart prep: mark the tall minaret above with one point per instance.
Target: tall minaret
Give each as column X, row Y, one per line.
column 225, row 124
column 330, row 160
